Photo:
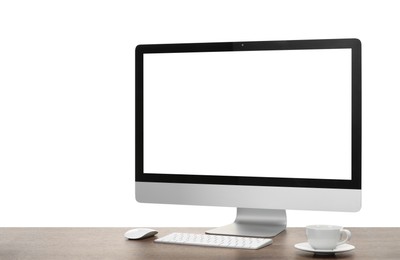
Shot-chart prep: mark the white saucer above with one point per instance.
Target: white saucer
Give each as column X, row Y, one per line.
column 339, row 249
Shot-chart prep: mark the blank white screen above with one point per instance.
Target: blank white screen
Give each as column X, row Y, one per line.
column 252, row 113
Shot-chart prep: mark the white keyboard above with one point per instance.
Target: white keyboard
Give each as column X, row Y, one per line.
column 214, row 240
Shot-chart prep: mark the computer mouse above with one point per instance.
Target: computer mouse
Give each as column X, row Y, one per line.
column 140, row 233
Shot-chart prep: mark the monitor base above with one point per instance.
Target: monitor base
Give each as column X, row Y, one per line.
column 254, row 223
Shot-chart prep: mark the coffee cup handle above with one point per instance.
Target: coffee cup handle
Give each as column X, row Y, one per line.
column 344, row 233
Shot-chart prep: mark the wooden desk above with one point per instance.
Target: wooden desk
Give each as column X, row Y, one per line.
column 109, row 243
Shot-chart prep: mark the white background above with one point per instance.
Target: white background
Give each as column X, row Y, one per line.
column 284, row 114
column 67, row 102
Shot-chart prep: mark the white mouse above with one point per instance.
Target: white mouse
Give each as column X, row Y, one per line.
column 140, row 233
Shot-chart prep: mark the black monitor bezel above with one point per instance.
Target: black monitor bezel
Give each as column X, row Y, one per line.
column 354, row 44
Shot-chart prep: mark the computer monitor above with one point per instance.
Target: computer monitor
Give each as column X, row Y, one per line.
column 260, row 126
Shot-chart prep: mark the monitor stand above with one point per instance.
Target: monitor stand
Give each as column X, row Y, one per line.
column 254, row 223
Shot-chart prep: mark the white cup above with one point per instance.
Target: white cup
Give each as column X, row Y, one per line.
column 326, row 237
